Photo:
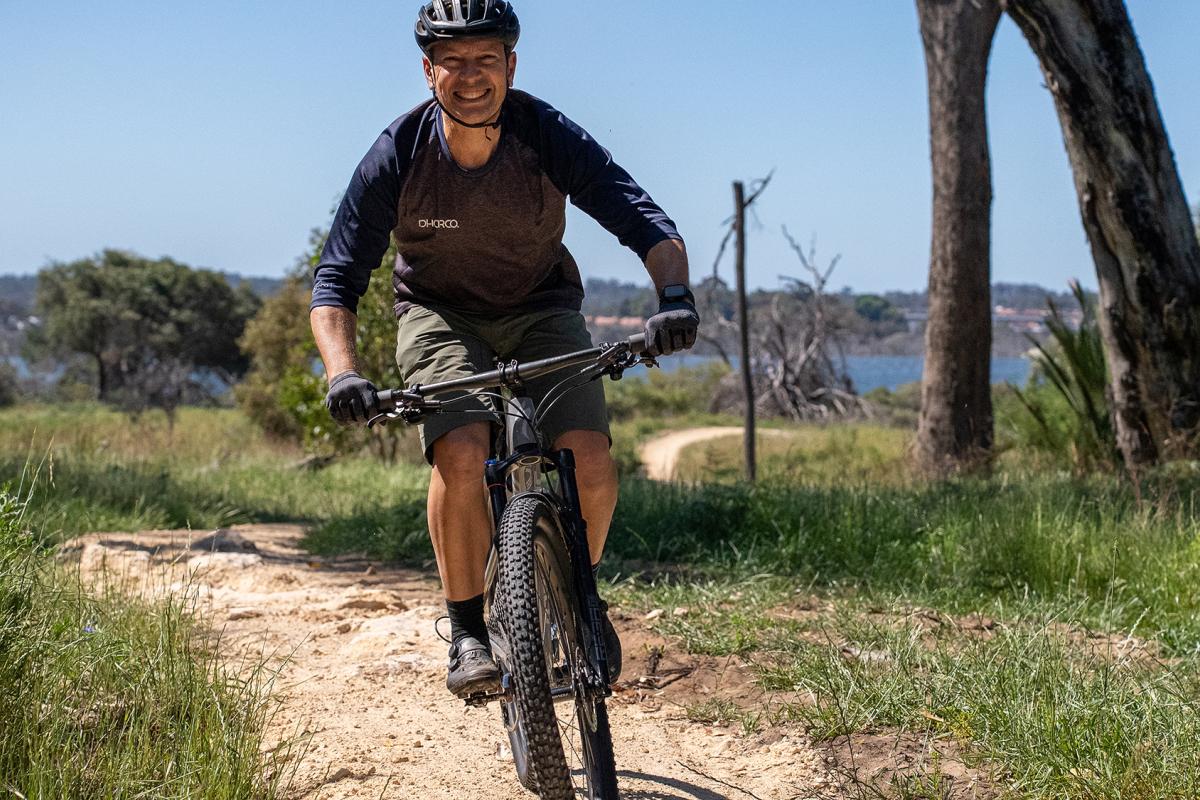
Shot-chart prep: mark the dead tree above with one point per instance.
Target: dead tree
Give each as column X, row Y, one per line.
column 1137, row 220
column 796, row 343
column 955, row 427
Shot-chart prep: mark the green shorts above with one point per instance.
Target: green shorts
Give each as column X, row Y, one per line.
column 436, row 344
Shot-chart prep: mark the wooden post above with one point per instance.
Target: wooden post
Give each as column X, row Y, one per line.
column 739, row 200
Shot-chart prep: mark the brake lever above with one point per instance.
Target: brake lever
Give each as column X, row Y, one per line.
column 381, row 419
column 622, row 359
column 407, row 415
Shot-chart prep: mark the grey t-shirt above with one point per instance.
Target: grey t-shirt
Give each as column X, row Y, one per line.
column 488, row 239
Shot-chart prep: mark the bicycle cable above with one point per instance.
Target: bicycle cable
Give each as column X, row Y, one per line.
column 548, row 403
column 504, row 401
column 551, row 397
column 520, row 414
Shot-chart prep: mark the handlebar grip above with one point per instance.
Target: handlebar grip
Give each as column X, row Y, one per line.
column 385, row 400
column 637, row 343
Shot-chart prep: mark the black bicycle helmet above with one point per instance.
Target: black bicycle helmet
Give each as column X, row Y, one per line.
column 441, row 20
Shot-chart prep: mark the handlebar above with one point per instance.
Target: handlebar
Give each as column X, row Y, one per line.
column 510, row 374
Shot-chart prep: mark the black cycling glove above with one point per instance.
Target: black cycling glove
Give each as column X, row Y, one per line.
column 673, row 328
column 351, row 398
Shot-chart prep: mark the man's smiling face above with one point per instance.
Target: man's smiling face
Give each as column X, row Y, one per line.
column 471, row 77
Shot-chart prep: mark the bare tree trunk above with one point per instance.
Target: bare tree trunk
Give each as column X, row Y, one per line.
column 101, row 377
column 739, row 200
column 1136, row 217
column 955, row 426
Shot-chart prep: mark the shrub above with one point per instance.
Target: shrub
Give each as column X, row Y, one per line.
column 899, row 406
column 658, row 393
column 1073, row 416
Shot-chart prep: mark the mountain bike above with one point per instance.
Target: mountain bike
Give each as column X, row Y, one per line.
column 540, row 602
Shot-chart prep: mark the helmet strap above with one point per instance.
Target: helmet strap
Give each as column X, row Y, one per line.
column 494, row 124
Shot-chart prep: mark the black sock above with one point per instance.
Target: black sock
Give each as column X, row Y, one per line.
column 466, row 619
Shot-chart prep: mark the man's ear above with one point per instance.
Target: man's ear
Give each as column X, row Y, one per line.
column 427, row 66
column 512, row 67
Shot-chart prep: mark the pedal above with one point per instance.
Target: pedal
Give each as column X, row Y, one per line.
column 481, row 699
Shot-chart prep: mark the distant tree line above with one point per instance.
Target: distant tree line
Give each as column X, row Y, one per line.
column 142, row 333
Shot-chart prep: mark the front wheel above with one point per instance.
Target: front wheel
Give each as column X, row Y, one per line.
column 557, row 725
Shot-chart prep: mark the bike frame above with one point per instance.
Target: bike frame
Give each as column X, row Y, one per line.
column 522, row 465
column 518, row 473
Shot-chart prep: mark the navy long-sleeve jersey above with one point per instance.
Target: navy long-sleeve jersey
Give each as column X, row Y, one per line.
column 487, row 239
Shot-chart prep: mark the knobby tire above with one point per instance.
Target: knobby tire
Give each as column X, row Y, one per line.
column 534, row 607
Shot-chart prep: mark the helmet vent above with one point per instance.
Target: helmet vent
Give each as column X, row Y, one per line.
column 441, row 20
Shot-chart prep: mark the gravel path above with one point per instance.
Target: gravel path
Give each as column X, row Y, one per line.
column 660, row 455
column 362, row 678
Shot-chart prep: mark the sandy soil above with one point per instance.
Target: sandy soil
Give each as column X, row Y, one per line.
column 361, row 679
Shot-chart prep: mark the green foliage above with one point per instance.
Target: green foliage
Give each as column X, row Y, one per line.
column 1124, row 561
column 900, row 406
column 660, row 394
column 158, row 334
column 104, row 697
column 284, row 393
column 611, row 297
column 877, row 309
column 1073, row 365
column 279, row 344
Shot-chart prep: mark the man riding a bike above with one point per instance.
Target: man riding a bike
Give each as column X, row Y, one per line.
column 472, row 184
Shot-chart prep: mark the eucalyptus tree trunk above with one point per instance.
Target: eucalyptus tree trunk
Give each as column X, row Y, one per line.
column 954, row 430
column 1136, row 218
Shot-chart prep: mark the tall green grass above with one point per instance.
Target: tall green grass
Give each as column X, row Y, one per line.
column 1126, row 562
column 105, row 696
column 839, row 454
column 99, row 471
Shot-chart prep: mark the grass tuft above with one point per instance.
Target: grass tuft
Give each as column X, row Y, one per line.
column 105, row 696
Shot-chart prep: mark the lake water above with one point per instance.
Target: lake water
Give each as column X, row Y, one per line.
column 867, row 372
column 871, row 372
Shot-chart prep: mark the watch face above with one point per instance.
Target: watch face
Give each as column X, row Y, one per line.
column 676, row 291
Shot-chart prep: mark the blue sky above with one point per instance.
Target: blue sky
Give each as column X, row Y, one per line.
column 220, row 133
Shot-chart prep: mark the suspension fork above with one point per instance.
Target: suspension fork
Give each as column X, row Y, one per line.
column 581, row 563
column 493, row 473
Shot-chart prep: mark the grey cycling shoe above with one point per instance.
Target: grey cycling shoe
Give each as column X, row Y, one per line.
column 612, row 645
column 472, row 669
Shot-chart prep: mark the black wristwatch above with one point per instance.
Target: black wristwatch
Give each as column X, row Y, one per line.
column 675, row 293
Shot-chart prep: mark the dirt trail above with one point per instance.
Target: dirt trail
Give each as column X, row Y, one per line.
column 364, row 676
column 660, row 456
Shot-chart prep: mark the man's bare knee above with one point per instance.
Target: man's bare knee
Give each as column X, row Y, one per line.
column 458, row 455
column 592, row 457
